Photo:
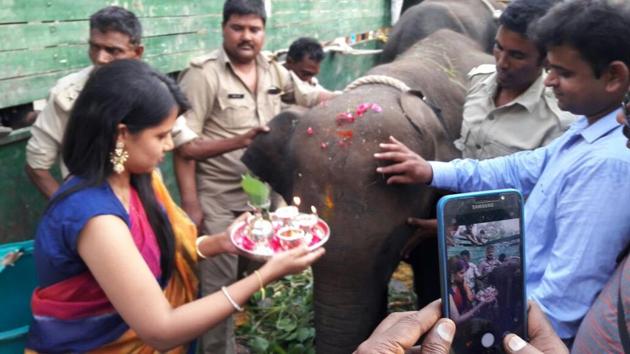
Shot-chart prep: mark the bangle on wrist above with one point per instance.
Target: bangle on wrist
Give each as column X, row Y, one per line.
column 260, row 281
column 197, row 243
column 230, row 300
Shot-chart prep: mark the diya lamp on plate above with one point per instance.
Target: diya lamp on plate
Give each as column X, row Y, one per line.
column 306, row 222
column 290, row 237
column 260, row 231
column 286, row 214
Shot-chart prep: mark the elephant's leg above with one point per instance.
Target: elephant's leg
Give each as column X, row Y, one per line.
column 349, row 302
column 426, row 275
column 351, row 283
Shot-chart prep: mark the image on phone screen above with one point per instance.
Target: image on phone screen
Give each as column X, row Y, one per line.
column 483, row 270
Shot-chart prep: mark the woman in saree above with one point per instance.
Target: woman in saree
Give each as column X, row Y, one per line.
column 114, row 255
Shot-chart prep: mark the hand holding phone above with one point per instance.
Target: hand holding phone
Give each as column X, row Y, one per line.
column 482, row 268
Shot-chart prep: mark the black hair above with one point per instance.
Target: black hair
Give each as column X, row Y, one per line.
column 244, row 7
column 598, row 29
column 464, row 253
column 502, row 257
column 124, row 91
column 305, row 46
column 521, row 14
column 118, row 19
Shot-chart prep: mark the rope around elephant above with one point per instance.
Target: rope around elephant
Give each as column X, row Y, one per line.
column 377, row 79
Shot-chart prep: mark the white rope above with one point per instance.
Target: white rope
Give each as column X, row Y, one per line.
column 496, row 13
column 377, row 79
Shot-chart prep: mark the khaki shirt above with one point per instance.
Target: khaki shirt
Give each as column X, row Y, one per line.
column 531, row 120
column 314, row 84
column 223, row 107
column 43, row 149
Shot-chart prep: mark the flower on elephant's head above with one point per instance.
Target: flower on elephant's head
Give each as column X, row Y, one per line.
column 376, row 108
column 344, row 118
column 362, row 108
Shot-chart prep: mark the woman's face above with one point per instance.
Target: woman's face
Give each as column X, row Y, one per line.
column 458, row 277
column 147, row 148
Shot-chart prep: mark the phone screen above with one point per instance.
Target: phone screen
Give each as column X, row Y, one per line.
column 482, row 268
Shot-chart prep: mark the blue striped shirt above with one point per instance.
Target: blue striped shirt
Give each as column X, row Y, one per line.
column 577, row 213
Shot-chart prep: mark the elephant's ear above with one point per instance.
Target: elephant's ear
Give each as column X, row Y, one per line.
column 427, row 120
column 268, row 155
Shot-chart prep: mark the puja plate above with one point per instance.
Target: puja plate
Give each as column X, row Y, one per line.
column 319, row 235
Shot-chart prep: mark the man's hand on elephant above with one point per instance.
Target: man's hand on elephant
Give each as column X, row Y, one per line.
column 400, row 331
column 425, row 229
column 248, row 137
column 543, row 339
column 408, row 167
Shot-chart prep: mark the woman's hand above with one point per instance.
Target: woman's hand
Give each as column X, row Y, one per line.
column 221, row 243
column 290, row 262
column 543, row 339
column 408, row 166
column 401, row 330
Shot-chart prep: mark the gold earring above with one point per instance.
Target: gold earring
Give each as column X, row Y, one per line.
column 118, row 157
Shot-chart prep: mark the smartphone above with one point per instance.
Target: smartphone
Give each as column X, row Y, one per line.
column 482, row 267
column 626, row 106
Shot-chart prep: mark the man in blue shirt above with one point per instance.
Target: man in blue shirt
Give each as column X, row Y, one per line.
column 576, row 214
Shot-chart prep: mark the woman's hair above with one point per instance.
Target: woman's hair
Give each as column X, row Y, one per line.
column 130, row 92
column 456, row 265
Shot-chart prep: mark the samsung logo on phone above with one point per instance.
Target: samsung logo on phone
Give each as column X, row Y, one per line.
column 483, row 206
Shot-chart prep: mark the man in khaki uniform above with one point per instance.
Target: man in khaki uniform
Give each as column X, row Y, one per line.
column 508, row 108
column 231, row 91
column 115, row 33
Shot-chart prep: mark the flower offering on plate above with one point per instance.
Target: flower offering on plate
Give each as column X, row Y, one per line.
column 286, row 229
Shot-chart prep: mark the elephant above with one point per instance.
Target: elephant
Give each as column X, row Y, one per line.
column 474, row 18
column 325, row 156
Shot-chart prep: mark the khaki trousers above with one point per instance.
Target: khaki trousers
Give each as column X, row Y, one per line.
column 214, row 273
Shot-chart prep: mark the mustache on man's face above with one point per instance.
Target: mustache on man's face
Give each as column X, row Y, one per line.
column 246, row 44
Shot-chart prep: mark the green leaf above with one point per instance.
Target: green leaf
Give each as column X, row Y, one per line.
column 297, row 349
column 258, row 344
column 285, row 324
column 256, row 190
column 304, row 333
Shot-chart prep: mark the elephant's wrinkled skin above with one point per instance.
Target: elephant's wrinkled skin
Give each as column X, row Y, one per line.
column 470, row 17
column 366, row 216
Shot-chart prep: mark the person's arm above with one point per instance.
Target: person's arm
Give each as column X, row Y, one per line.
column 475, row 270
column 303, row 93
column 520, row 170
column 107, row 248
column 592, row 225
column 43, row 147
column 187, row 184
column 203, row 148
column 469, row 293
column 43, row 180
column 463, row 317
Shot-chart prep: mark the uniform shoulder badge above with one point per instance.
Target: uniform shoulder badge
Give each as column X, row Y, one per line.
column 68, row 88
column 202, row 59
column 483, row 69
